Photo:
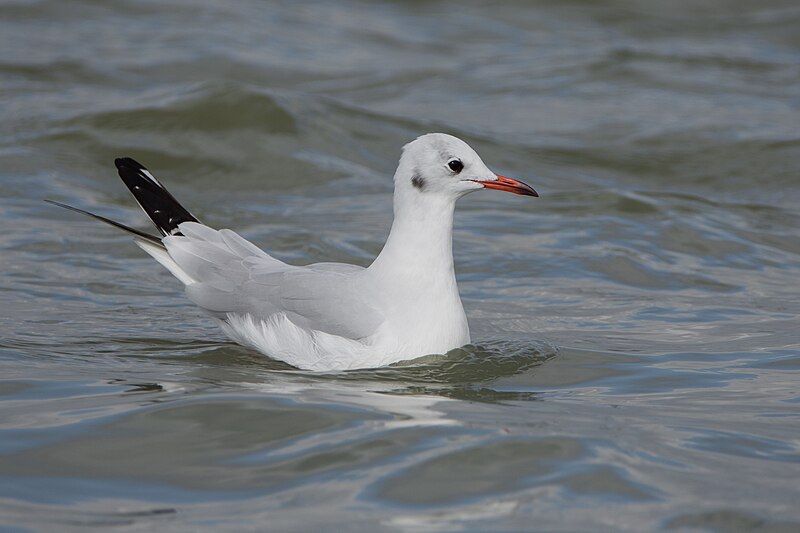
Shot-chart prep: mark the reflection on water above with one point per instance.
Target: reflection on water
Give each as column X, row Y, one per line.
column 636, row 352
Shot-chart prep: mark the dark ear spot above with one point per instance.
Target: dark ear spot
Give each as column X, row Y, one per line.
column 418, row 182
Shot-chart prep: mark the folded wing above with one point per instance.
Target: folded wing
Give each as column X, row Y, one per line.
column 231, row 276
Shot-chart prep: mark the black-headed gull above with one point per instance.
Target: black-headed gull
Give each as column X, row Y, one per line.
column 331, row 316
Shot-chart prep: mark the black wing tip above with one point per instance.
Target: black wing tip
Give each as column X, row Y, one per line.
column 155, row 200
column 128, row 162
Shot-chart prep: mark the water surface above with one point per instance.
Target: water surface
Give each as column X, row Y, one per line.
column 636, row 358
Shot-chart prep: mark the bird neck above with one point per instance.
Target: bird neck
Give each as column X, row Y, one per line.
column 420, row 243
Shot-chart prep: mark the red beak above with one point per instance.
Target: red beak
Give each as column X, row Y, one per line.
column 503, row 183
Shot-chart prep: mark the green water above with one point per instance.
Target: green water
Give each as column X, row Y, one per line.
column 636, row 357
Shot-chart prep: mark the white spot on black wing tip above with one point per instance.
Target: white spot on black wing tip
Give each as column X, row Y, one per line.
column 132, row 164
column 146, row 174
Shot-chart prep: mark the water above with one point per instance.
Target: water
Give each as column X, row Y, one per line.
column 636, row 353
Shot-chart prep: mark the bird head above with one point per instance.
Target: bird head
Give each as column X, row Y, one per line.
column 440, row 164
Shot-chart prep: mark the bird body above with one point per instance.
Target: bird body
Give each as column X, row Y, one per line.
column 332, row 316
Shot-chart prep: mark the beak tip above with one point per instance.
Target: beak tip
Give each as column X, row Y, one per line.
column 503, row 183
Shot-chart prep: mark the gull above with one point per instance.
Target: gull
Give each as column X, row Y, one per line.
column 331, row 316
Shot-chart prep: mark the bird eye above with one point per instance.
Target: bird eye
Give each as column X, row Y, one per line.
column 455, row 165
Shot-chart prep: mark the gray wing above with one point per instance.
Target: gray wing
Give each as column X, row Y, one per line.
column 325, row 300
column 231, row 275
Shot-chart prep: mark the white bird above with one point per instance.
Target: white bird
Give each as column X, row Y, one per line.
column 331, row 316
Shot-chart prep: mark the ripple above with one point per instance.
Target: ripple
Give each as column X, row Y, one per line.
column 493, row 468
column 208, row 107
column 470, row 364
